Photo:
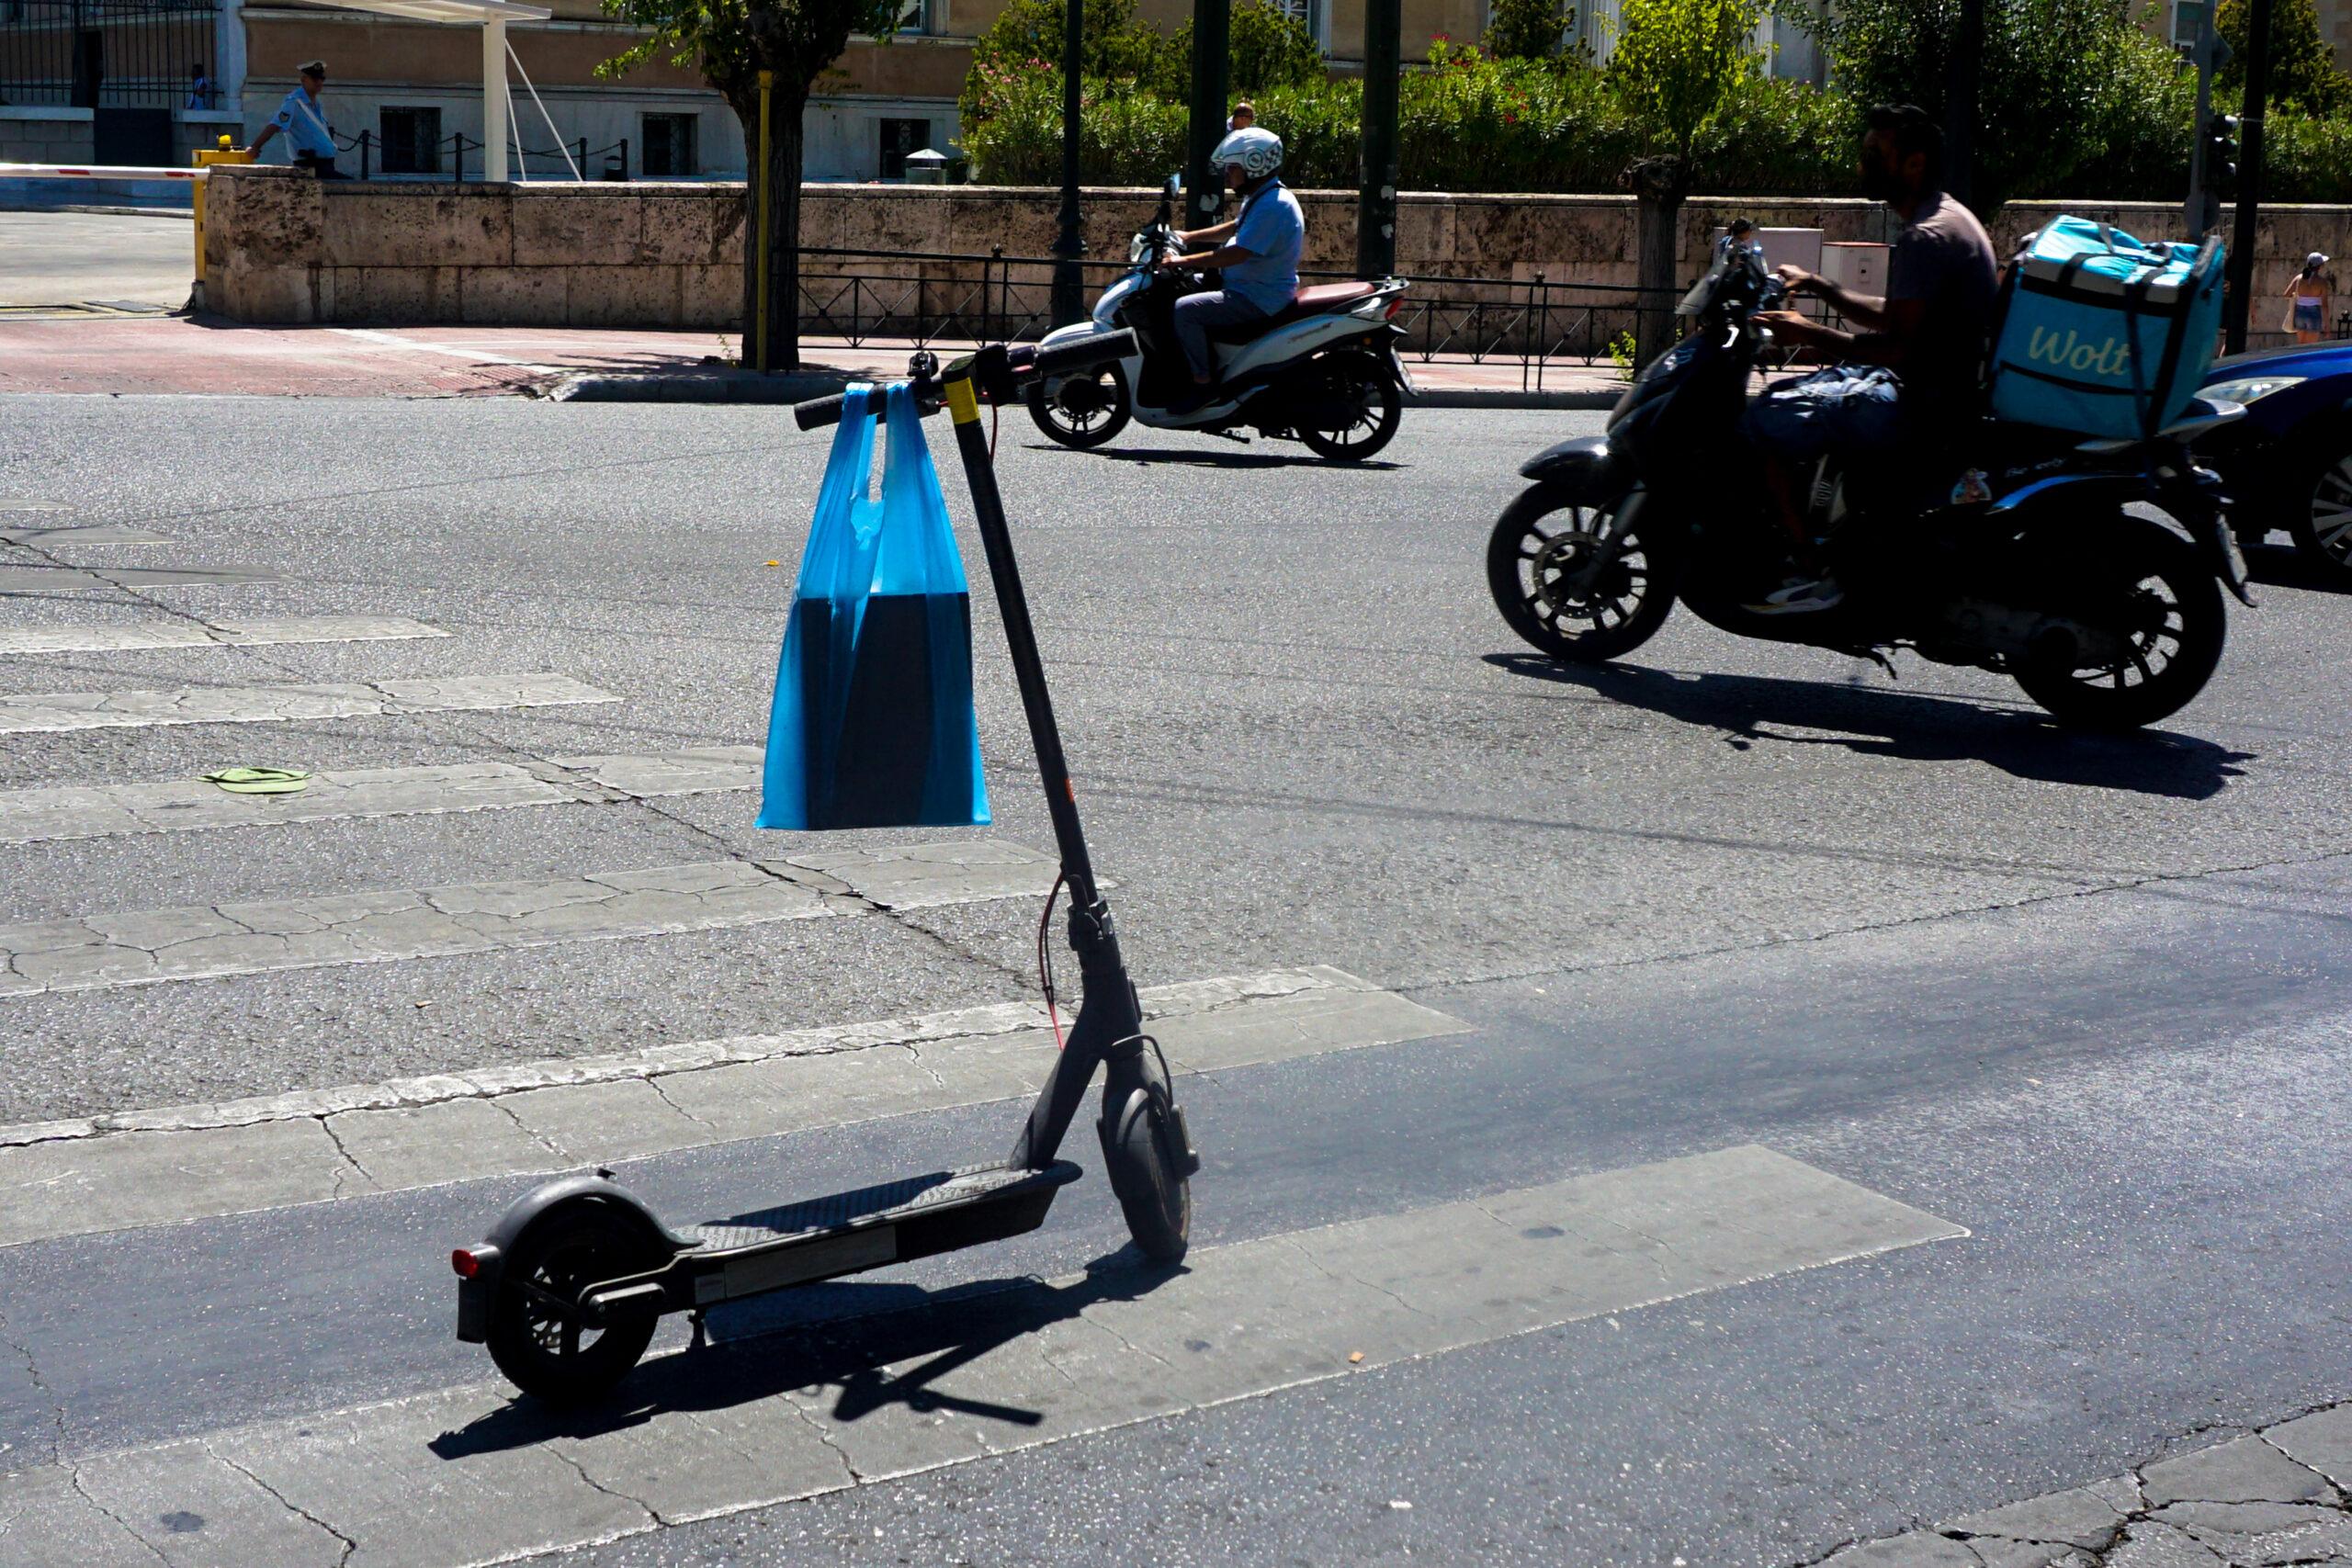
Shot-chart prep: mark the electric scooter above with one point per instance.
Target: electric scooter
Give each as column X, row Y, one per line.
column 569, row 1285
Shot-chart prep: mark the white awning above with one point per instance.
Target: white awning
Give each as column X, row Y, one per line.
column 492, row 17
column 461, row 11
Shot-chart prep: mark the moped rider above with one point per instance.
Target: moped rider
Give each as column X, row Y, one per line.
column 1929, row 330
column 1256, row 255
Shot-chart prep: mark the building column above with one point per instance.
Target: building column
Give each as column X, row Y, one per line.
column 493, row 98
column 229, row 56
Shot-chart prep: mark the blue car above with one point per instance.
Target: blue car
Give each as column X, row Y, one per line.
column 2288, row 464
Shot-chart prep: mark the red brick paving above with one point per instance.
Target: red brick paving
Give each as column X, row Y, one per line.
column 194, row 356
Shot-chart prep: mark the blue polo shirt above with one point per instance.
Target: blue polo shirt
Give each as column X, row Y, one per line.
column 1274, row 230
column 302, row 121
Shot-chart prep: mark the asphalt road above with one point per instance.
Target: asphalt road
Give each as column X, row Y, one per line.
column 2086, row 997
column 46, row 259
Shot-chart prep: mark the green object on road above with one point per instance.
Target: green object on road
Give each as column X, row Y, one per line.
column 261, row 781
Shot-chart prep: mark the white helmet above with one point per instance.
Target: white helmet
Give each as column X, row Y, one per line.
column 1259, row 152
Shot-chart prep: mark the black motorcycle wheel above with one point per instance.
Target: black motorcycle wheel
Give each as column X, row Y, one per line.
column 1540, row 568
column 545, row 1353
column 2316, row 495
column 1080, row 409
column 1368, row 402
column 2155, row 591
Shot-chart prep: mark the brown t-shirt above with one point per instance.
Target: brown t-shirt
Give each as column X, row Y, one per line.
column 1943, row 259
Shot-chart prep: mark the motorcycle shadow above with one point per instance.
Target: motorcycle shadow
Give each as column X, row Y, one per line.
column 2283, row 566
column 1876, row 722
column 1221, row 459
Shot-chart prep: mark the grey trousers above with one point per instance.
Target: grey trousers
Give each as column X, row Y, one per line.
column 1196, row 314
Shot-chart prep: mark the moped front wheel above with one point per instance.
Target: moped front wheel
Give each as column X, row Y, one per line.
column 1082, row 410
column 1583, row 584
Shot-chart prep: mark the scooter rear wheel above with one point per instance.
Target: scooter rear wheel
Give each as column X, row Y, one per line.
column 1366, row 407
column 556, row 1359
column 1081, row 410
column 1156, row 1198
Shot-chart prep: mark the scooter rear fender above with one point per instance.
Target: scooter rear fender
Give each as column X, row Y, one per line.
column 1587, row 467
column 477, row 1292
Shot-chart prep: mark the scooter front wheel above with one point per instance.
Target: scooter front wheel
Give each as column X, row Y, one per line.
column 1155, row 1196
column 537, row 1338
column 1082, row 410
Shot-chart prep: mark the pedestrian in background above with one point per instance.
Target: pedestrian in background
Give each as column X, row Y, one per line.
column 1242, row 118
column 199, row 88
column 304, row 121
column 2312, row 287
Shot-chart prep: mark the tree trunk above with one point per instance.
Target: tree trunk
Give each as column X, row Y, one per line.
column 1658, row 221
column 784, row 155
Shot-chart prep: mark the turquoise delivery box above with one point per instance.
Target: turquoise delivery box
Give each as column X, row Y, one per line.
column 2104, row 335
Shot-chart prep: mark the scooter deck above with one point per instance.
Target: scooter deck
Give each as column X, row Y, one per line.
column 846, row 1233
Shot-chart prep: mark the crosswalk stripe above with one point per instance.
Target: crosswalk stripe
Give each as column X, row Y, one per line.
column 199, row 1161
column 141, row 635
column 75, row 579
column 52, row 712
column 81, row 534
column 142, row 947
column 93, row 811
column 463, row 1476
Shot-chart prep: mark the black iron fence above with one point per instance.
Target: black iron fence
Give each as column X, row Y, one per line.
column 920, row 298
column 97, row 54
column 446, row 157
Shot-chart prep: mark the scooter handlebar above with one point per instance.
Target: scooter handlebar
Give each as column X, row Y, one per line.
column 1026, row 364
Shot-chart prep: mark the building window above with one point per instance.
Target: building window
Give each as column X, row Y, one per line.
column 922, row 16
column 1316, row 13
column 900, row 137
column 411, row 141
column 670, row 147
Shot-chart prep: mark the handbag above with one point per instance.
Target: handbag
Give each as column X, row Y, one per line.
column 871, row 724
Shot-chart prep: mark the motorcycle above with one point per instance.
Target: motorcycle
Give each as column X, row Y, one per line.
column 2033, row 567
column 1325, row 371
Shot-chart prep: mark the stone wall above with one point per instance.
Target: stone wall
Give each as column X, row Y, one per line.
column 282, row 247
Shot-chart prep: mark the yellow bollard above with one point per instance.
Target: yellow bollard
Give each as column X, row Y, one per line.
column 204, row 158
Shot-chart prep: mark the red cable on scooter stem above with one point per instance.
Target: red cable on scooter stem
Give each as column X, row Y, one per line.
column 1045, row 960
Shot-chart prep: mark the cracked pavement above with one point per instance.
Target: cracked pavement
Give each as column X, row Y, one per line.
column 2083, row 998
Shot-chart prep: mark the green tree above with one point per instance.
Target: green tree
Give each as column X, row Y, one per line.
column 1679, row 67
column 1529, row 30
column 1266, row 47
column 731, row 41
column 2302, row 68
column 2059, row 80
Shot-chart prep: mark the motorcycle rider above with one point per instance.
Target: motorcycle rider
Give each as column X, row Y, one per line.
column 1930, row 329
column 1258, row 254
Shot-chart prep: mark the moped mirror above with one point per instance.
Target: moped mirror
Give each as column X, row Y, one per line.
column 1175, row 183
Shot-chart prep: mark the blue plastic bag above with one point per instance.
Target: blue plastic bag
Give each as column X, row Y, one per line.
column 871, row 724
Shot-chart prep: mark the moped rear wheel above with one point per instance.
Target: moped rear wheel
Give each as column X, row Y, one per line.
column 1579, row 582
column 1081, row 410
column 2152, row 626
column 1358, row 408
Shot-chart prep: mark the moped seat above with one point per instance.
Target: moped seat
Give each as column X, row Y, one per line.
column 1323, row 299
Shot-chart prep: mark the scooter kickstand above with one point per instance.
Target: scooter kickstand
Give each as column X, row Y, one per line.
column 701, row 1339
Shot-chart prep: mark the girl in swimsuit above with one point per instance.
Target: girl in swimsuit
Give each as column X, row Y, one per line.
column 2309, row 291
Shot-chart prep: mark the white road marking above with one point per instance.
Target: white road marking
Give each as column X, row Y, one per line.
column 50, row 712
column 141, row 636
column 386, row 340
column 464, row 1476
column 197, row 1161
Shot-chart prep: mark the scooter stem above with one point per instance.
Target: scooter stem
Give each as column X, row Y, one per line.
column 1110, row 1016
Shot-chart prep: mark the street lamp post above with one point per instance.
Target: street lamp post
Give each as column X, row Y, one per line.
column 2242, row 238
column 1959, row 103
column 1212, row 42
column 1376, row 189
column 1069, row 304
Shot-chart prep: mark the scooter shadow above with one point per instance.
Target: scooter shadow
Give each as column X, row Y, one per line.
column 1880, row 723
column 1221, row 459
column 924, row 1335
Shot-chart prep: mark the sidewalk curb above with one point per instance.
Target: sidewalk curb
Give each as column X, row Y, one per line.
column 750, row 387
